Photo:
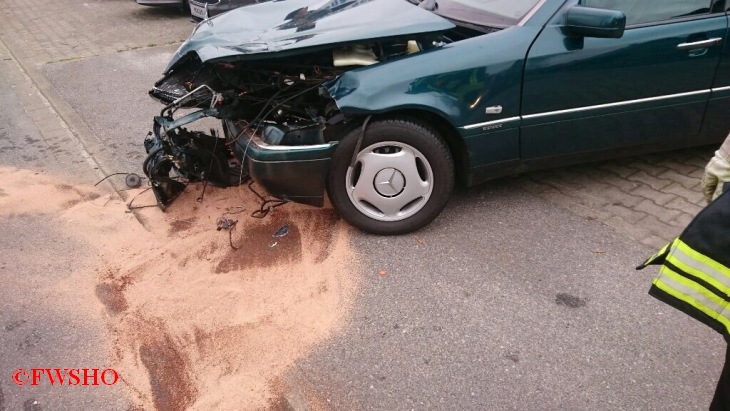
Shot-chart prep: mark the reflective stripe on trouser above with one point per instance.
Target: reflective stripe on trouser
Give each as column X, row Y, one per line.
column 702, row 267
column 698, row 281
column 695, row 295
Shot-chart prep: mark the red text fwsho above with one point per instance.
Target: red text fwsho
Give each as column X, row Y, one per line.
column 65, row 376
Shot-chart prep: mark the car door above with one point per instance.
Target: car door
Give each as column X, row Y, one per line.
column 649, row 87
column 717, row 118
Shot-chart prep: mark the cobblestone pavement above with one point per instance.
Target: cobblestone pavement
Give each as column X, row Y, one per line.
column 40, row 33
column 649, row 198
column 46, row 31
column 57, row 151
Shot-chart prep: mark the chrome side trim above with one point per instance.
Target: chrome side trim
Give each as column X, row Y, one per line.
column 256, row 140
column 617, row 104
column 491, row 123
column 715, row 90
column 531, row 13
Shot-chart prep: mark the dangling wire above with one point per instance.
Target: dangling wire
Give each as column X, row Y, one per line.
column 210, row 166
column 110, row 175
column 359, row 141
column 129, row 205
column 266, row 204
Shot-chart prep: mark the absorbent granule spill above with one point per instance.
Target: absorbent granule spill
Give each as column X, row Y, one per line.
column 197, row 324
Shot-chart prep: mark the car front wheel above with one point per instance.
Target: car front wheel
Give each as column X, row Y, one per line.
column 398, row 181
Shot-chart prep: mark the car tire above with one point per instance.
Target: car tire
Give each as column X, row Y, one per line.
column 400, row 179
column 186, row 7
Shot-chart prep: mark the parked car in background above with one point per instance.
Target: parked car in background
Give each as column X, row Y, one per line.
column 183, row 4
column 386, row 104
column 203, row 9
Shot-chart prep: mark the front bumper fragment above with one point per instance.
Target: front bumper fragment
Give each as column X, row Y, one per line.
column 295, row 172
column 157, row 167
column 293, row 169
column 176, row 156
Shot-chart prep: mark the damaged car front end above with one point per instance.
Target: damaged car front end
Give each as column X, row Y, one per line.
column 289, row 161
column 267, row 73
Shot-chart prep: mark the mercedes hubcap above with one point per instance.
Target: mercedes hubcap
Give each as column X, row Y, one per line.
column 389, row 181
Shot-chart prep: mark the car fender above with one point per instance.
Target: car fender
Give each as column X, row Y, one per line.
column 458, row 81
column 475, row 85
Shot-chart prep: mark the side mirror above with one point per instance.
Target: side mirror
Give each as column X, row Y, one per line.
column 592, row 22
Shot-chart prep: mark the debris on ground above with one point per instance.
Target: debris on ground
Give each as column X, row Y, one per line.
column 131, row 180
column 239, row 210
column 224, row 223
column 282, row 232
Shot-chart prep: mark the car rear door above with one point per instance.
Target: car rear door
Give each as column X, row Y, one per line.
column 650, row 86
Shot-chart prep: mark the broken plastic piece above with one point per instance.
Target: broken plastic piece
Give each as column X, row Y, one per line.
column 224, row 223
column 282, row 232
column 133, row 180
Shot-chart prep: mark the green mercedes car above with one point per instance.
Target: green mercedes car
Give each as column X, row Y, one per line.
column 387, row 104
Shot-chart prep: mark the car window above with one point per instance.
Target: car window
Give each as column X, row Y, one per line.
column 651, row 11
column 492, row 13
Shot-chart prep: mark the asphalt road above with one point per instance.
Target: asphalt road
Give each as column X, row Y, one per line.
column 509, row 303
column 41, row 325
column 110, row 94
column 506, row 301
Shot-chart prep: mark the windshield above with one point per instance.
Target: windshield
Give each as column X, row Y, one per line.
column 500, row 13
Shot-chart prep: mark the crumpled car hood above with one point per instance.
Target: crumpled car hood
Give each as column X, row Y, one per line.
column 295, row 24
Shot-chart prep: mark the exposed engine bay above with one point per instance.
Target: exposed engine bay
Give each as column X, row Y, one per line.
column 269, row 101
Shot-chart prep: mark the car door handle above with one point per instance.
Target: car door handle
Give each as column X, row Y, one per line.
column 700, row 44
